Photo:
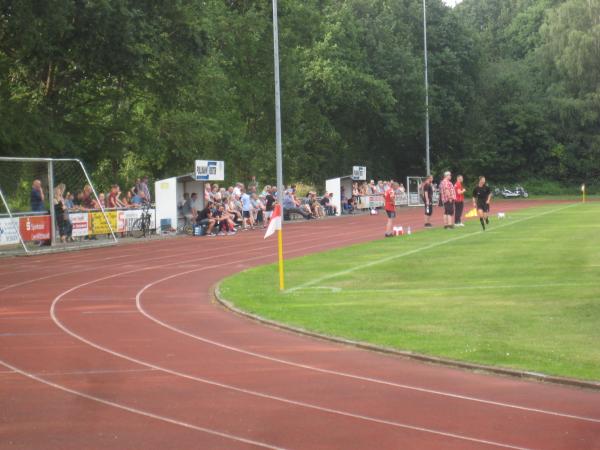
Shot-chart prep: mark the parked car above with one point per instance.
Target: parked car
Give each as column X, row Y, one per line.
column 517, row 191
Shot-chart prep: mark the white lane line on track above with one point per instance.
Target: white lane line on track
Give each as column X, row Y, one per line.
column 260, row 394
column 317, row 281
column 136, row 410
column 138, row 300
column 251, row 392
column 231, row 245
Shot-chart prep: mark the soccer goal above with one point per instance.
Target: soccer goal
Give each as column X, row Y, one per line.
column 49, row 204
column 415, row 193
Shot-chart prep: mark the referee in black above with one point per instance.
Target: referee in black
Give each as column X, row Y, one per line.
column 482, row 195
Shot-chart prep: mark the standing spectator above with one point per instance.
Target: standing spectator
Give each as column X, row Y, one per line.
column 87, row 199
column 390, row 208
column 189, row 209
column 113, row 197
column 459, row 204
column 269, row 203
column 37, row 197
column 448, row 196
column 247, row 220
column 253, row 185
column 60, row 213
column 143, row 187
column 69, row 202
column 427, row 192
column 482, row 196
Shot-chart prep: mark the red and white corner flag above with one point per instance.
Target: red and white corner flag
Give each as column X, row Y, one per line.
column 275, row 222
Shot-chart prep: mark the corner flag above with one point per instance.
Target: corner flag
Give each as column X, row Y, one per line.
column 275, row 222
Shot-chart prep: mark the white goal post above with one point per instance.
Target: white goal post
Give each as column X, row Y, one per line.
column 30, row 221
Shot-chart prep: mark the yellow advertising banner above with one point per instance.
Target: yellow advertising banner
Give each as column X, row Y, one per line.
column 98, row 224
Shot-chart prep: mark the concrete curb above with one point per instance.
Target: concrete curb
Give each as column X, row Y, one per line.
column 513, row 373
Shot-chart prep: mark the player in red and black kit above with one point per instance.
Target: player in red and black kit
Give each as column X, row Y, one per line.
column 482, row 196
column 390, row 207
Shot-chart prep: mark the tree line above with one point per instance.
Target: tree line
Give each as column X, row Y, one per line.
column 148, row 86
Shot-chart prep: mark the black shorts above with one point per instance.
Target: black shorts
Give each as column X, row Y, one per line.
column 428, row 209
column 449, row 208
column 246, row 214
column 390, row 214
column 484, row 207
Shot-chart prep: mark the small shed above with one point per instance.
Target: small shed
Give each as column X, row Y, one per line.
column 336, row 186
column 169, row 197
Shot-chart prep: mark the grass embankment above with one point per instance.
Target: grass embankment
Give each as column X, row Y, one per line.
column 525, row 294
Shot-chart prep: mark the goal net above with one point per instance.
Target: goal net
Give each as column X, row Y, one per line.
column 50, row 204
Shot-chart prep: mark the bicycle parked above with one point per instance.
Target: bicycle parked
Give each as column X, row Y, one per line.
column 142, row 226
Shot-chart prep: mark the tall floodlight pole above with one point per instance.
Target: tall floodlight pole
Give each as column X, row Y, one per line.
column 278, row 152
column 426, row 90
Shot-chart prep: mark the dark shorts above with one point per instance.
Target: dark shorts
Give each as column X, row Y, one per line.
column 428, row 209
column 449, row 208
column 246, row 214
column 390, row 214
column 484, row 207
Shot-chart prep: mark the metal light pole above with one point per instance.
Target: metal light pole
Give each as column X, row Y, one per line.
column 278, row 152
column 279, row 162
column 428, row 166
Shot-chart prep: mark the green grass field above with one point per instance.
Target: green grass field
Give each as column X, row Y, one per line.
column 525, row 294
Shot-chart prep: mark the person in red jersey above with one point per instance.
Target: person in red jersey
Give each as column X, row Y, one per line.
column 459, row 203
column 390, row 207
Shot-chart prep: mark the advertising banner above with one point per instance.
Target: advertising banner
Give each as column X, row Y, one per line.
column 359, row 173
column 126, row 219
column 80, row 223
column 35, row 228
column 99, row 225
column 9, row 231
column 209, row 170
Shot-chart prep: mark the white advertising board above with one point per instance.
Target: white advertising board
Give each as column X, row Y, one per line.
column 9, row 231
column 359, row 173
column 209, row 170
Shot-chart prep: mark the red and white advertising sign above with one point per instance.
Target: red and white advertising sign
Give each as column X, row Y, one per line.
column 35, row 228
column 80, row 222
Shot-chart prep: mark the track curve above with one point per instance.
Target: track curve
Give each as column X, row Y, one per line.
column 124, row 345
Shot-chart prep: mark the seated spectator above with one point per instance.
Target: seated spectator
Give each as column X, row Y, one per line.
column 329, row 208
column 290, row 206
column 138, row 199
column 315, row 207
column 231, row 209
column 126, row 200
column 205, row 218
column 224, row 221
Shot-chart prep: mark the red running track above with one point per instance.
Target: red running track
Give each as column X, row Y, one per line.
column 123, row 348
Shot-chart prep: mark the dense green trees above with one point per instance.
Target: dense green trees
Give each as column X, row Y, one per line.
column 137, row 86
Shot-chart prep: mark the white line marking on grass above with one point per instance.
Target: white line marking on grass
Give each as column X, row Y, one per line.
column 400, row 289
column 317, row 281
column 136, row 410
